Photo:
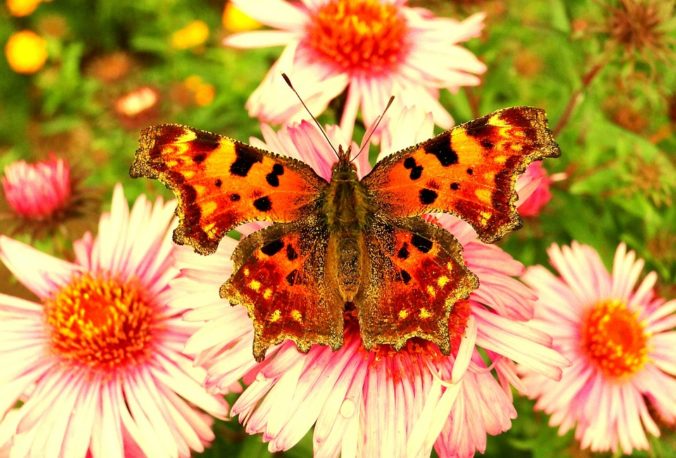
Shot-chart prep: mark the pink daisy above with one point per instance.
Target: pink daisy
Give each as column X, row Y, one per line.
column 97, row 361
column 381, row 402
column 370, row 48
column 620, row 339
column 39, row 190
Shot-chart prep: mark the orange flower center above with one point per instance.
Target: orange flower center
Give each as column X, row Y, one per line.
column 359, row 34
column 614, row 339
column 100, row 322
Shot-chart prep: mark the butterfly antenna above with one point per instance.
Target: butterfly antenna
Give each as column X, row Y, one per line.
column 375, row 126
column 288, row 81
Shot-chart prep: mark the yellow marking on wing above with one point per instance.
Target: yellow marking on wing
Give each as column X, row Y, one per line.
column 276, row 315
column 430, row 291
column 255, row 285
column 424, row 313
column 296, row 315
column 403, row 314
column 485, row 216
column 500, row 159
column 518, row 133
column 188, row 173
column 210, row 229
column 267, row 294
column 483, row 195
column 441, row 281
column 489, row 176
column 449, row 266
column 208, row 208
column 187, row 136
column 246, row 271
column 516, row 147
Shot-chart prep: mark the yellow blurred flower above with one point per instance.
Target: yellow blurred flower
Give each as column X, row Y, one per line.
column 202, row 92
column 20, row 8
column 192, row 35
column 235, row 20
column 26, row 51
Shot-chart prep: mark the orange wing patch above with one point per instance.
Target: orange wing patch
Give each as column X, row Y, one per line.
column 469, row 171
column 279, row 277
column 417, row 274
column 221, row 183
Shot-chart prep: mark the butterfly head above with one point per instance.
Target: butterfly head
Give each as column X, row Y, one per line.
column 344, row 166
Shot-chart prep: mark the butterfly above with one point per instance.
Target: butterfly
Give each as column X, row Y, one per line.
column 347, row 245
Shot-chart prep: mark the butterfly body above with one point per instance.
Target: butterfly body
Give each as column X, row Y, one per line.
column 349, row 245
column 346, row 208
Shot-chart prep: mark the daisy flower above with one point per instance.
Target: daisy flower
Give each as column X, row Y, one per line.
column 371, row 49
column 449, row 403
column 620, row 339
column 97, row 360
column 41, row 196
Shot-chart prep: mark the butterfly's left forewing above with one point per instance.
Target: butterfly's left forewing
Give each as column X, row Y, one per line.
column 221, row 183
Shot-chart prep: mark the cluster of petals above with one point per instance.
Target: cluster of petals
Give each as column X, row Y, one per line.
column 368, row 49
column 94, row 366
column 620, row 339
column 372, row 403
column 38, row 190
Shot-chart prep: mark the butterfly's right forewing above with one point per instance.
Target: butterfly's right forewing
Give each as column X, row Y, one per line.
column 221, row 183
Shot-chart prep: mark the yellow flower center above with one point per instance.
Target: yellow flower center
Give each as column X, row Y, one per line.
column 614, row 339
column 100, row 322
column 359, row 34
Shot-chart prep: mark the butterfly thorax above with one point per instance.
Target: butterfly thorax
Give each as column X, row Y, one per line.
column 346, row 208
column 346, row 205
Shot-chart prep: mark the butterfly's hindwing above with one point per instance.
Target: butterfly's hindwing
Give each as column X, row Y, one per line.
column 279, row 276
column 417, row 274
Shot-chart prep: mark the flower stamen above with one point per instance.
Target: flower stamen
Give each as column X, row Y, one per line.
column 359, row 35
column 100, row 322
column 614, row 339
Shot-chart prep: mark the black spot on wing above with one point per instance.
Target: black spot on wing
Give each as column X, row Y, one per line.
column 272, row 179
column 440, row 147
column 218, row 183
column 292, row 277
column 427, row 196
column 263, row 204
column 246, row 158
column 416, row 170
column 422, row 244
column 486, row 143
column 203, row 144
column 291, row 253
column 234, row 197
column 481, row 130
column 455, row 186
column 273, row 247
column 403, row 252
column 405, row 276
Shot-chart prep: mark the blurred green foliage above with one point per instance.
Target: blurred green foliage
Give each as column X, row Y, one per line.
column 617, row 141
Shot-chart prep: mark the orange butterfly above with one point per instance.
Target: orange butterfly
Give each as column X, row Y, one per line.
column 347, row 246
